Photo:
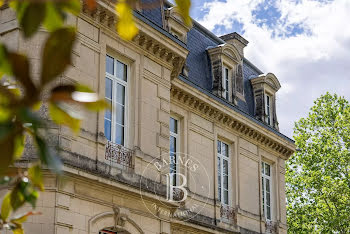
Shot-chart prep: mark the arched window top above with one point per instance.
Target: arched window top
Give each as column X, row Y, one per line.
column 227, row 50
column 267, row 79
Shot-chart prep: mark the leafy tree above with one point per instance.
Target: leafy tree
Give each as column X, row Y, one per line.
column 318, row 179
column 21, row 96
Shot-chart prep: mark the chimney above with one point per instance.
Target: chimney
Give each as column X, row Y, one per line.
column 236, row 40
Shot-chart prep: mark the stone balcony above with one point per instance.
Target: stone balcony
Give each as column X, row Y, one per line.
column 120, row 155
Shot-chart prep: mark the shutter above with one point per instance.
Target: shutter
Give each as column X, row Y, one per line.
column 260, row 105
column 239, row 79
column 217, row 77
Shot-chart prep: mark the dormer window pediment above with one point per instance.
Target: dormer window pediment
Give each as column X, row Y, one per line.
column 174, row 24
column 265, row 87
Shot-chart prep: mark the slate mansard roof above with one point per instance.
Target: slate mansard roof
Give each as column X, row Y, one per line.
column 199, row 39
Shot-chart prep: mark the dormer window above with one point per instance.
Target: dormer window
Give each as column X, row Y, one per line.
column 224, row 61
column 174, row 24
column 265, row 87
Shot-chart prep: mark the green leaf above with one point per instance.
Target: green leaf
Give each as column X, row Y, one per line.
column 19, row 7
column 57, row 55
column 5, row 66
column 20, row 69
column 184, row 10
column 54, row 18
column 71, row 6
column 36, row 177
column 7, row 152
column 126, row 26
column 46, row 155
column 32, row 17
column 16, row 197
column 60, row 116
column 6, row 207
column 19, row 142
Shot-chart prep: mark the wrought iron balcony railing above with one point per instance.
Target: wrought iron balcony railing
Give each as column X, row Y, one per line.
column 119, row 154
column 228, row 213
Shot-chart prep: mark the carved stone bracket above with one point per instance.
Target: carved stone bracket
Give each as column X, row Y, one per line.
column 229, row 213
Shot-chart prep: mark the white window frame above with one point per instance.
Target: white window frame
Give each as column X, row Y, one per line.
column 116, row 81
column 177, row 138
column 264, row 178
column 226, row 85
column 222, row 157
column 268, row 109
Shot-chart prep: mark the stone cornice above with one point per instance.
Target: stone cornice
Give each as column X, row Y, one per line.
column 214, row 110
column 149, row 39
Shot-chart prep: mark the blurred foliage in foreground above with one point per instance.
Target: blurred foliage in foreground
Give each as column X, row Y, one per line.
column 318, row 174
column 21, row 96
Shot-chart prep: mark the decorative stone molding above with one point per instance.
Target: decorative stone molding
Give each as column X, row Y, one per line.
column 265, row 84
column 117, row 220
column 241, row 125
column 151, row 41
column 236, row 40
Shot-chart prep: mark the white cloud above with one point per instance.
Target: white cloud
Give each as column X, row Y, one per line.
column 307, row 64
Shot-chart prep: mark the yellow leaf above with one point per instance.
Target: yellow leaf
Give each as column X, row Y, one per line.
column 1, row 3
column 60, row 116
column 126, row 26
column 6, row 207
column 18, row 230
column 36, row 177
column 19, row 143
column 183, row 7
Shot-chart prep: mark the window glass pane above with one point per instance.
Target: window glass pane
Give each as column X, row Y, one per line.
column 172, row 144
column 110, row 65
column 262, row 168
column 225, row 167
column 108, row 88
column 119, row 115
column 119, row 131
column 173, row 125
column 225, row 149
column 268, row 213
column 219, row 195
column 108, row 129
column 268, row 199
column 226, row 197
column 121, row 71
column 267, row 185
column 225, row 185
column 120, row 94
column 108, row 112
column 267, row 169
column 219, row 147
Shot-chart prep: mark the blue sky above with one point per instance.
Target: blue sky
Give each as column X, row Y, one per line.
column 305, row 43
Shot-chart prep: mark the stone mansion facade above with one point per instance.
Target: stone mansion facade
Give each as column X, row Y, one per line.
column 179, row 95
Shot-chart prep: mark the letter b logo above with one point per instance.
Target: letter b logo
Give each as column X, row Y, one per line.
column 172, row 189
